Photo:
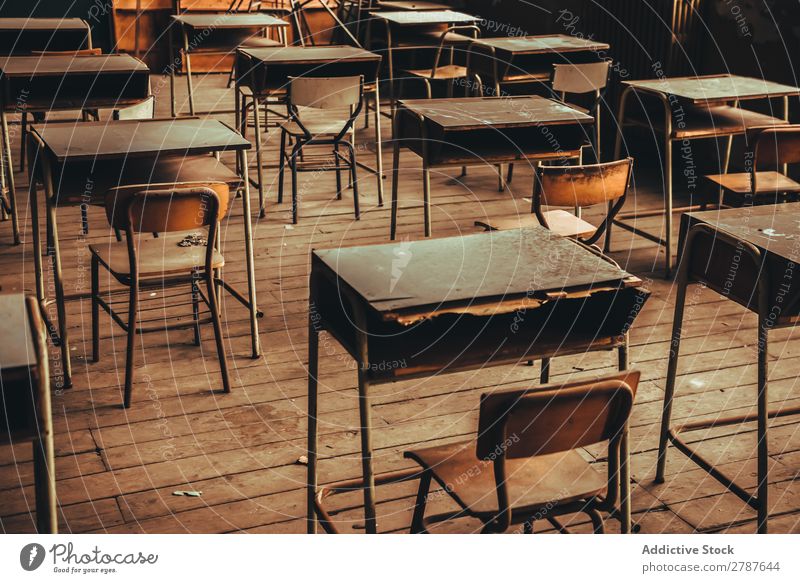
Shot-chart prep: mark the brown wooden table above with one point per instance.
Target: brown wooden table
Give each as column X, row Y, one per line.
column 21, row 36
column 25, row 409
column 63, row 82
column 97, row 153
column 267, row 71
column 497, row 298
column 693, row 108
column 455, row 132
column 749, row 255
column 524, row 59
column 216, row 33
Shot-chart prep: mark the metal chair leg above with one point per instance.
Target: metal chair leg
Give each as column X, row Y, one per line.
column 281, row 166
column 762, row 425
column 95, row 309
column 418, row 520
column 133, row 309
column 195, row 309
column 259, row 159
column 395, row 188
column 293, row 165
column 338, row 165
column 353, row 173
column 213, row 306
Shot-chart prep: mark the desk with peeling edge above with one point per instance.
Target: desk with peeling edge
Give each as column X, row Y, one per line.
column 749, row 255
column 25, row 409
column 497, row 298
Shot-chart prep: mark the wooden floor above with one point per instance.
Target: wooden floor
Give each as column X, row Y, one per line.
column 118, row 469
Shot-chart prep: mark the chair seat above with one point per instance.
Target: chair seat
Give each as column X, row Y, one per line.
column 533, row 483
column 320, row 127
column 559, row 221
column 768, row 182
column 443, row 72
column 157, row 257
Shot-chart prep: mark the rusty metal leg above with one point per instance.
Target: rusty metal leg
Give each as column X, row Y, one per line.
column 597, row 521
column 213, row 306
column 378, row 141
column 95, row 309
column 58, row 281
column 365, row 416
column 672, row 365
column 624, row 455
column 133, row 309
column 395, row 187
column 426, row 197
column 250, row 258
column 259, row 158
column 763, row 418
column 417, row 522
column 313, row 367
column 9, row 164
column 45, row 482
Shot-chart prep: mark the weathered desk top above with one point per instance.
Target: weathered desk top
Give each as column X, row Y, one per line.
column 774, row 229
column 309, row 55
column 539, row 44
column 16, row 349
column 715, row 88
column 138, row 138
column 425, row 17
column 49, row 65
column 229, row 20
column 507, row 265
column 469, row 112
column 13, row 24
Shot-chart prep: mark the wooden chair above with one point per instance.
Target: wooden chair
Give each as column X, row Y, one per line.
column 140, row 263
column 580, row 79
column 573, row 186
column 324, row 95
column 450, row 71
column 768, row 147
column 524, row 466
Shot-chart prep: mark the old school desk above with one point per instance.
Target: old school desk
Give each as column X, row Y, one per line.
column 21, row 36
column 750, row 255
column 523, row 59
column 455, row 132
column 497, row 298
column 410, row 29
column 25, row 410
column 693, row 108
column 267, row 71
column 64, row 82
column 217, row 33
column 105, row 154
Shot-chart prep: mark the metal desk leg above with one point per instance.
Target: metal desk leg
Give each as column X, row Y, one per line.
column 395, row 180
column 668, row 196
column 313, row 368
column 625, row 457
column 188, row 61
column 9, row 173
column 259, row 161
column 763, row 419
column 58, row 276
column 172, row 64
column 45, row 482
column 250, row 258
column 365, row 416
column 378, row 140
column 426, row 183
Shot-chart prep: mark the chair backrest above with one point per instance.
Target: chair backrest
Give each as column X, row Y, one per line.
column 325, row 92
column 143, row 110
column 75, row 53
column 463, row 29
column 581, row 77
column 583, row 185
column 775, row 145
column 164, row 208
column 554, row 418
